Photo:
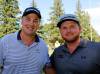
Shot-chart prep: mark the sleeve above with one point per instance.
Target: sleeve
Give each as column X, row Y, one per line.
column 98, row 56
column 1, row 53
column 49, row 69
column 98, row 60
column 46, row 54
column 48, row 63
column 52, row 59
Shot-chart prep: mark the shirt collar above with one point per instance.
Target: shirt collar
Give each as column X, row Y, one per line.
column 82, row 44
column 19, row 37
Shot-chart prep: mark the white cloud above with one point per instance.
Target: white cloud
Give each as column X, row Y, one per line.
column 94, row 18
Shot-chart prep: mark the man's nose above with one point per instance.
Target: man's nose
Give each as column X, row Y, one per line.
column 68, row 30
column 32, row 23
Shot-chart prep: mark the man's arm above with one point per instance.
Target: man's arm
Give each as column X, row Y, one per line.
column 49, row 70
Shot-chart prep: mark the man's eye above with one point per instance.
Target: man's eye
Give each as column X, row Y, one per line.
column 27, row 19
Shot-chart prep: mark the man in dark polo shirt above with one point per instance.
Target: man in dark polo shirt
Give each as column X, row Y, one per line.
column 76, row 55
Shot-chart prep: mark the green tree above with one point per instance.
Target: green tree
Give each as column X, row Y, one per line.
column 34, row 3
column 87, row 30
column 56, row 12
column 51, row 31
column 50, row 34
column 8, row 12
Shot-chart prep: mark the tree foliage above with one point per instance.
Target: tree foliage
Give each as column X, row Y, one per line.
column 56, row 12
column 34, row 3
column 87, row 30
column 49, row 31
column 8, row 12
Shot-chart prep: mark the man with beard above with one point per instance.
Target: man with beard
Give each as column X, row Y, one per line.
column 76, row 55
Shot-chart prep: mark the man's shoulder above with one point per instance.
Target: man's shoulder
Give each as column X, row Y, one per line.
column 93, row 43
column 93, row 46
column 42, row 42
column 41, row 39
column 9, row 36
column 59, row 49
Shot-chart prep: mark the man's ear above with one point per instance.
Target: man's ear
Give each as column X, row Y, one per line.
column 20, row 23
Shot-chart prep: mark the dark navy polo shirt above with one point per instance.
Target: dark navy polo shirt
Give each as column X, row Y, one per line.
column 85, row 59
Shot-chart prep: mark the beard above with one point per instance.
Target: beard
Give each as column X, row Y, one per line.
column 73, row 39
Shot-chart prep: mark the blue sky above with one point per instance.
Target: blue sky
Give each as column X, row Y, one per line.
column 69, row 6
